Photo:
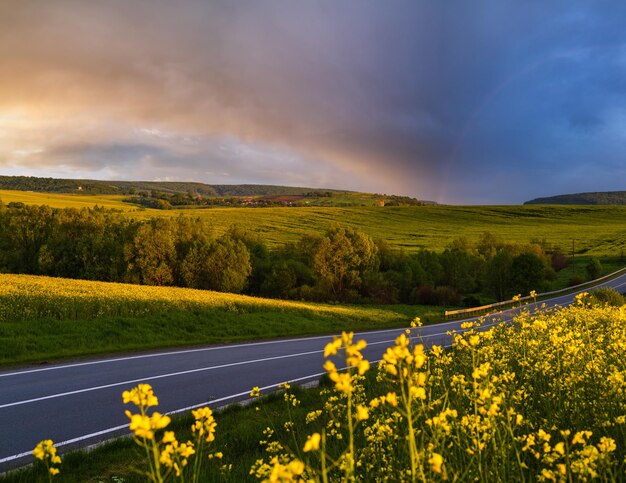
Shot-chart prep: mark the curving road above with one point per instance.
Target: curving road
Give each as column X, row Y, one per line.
column 79, row 404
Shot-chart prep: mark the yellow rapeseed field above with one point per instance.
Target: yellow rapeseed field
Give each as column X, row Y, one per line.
column 34, row 297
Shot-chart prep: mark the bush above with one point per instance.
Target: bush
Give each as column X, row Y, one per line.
column 605, row 296
column 447, row 296
column 559, row 261
column 471, row 301
column 424, row 295
column 594, row 268
column 575, row 280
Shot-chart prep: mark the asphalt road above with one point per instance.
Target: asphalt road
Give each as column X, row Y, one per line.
column 80, row 404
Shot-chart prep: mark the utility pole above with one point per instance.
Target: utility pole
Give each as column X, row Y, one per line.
column 573, row 255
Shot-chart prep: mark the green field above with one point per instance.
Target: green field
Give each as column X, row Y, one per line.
column 597, row 230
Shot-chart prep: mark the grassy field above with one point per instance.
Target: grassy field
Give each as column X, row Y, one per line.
column 65, row 200
column 541, row 400
column 597, row 230
column 40, row 315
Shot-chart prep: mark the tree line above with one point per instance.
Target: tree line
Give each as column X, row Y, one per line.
column 343, row 264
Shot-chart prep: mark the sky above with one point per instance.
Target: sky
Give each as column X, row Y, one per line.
column 462, row 102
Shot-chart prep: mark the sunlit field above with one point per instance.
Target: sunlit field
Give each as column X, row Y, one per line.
column 65, row 200
column 542, row 399
column 596, row 230
column 43, row 317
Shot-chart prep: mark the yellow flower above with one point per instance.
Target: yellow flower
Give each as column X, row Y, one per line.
column 141, row 396
column 46, row 452
column 362, row 413
column 168, row 437
column 417, row 393
column 204, row 424
column 41, row 449
column 580, row 437
column 332, row 347
column 312, row 443
column 159, row 421
column 140, row 425
column 363, row 366
column 391, row 399
column 284, row 472
column 256, row 392
column 435, row 462
column 607, row 445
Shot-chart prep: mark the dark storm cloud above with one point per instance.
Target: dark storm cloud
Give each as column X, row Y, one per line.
column 481, row 101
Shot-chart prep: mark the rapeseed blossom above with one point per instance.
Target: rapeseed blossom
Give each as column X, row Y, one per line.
column 46, row 452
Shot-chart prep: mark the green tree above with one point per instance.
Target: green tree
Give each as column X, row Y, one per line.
column 488, row 245
column 281, row 281
column 431, row 266
column 594, row 268
column 459, row 270
column 224, row 265
column 28, row 229
column 528, row 271
column 152, row 253
column 498, row 274
column 343, row 256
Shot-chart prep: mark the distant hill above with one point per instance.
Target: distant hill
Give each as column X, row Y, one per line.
column 99, row 187
column 595, row 198
column 167, row 194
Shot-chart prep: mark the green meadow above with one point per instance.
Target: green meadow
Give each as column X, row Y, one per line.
column 596, row 230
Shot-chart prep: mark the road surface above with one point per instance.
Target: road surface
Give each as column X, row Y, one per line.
column 80, row 404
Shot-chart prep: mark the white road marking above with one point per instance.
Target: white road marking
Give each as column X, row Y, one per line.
column 232, row 364
column 204, row 349
column 249, row 344
column 201, row 369
column 232, row 396
column 176, row 411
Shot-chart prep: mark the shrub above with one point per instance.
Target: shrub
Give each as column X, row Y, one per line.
column 605, row 296
column 575, row 280
column 594, row 268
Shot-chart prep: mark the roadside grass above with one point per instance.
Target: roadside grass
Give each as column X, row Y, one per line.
column 597, row 230
column 44, row 318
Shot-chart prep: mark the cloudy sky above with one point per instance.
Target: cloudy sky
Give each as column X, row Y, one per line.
column 455, row 101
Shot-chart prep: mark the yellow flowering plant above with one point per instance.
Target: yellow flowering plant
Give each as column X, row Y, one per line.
column 539, row 399
column 47, row 453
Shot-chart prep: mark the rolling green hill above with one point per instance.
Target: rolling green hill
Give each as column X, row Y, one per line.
column 592, row 198
column 184, row 195
column 597, row 230
column 90, row 186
